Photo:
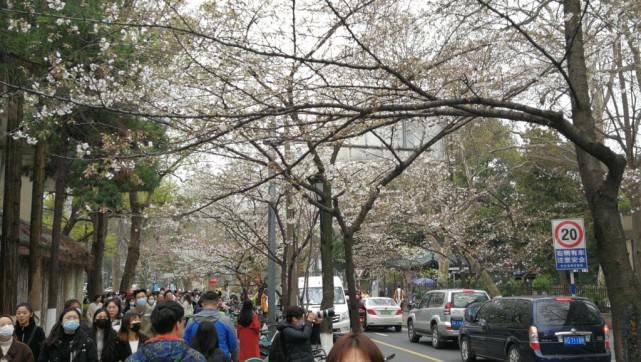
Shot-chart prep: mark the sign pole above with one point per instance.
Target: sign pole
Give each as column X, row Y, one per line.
column 572, row 284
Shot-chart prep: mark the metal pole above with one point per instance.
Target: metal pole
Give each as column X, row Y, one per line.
column 572, row 284
column 271, row 264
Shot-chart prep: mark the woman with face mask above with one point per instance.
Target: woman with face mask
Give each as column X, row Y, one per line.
column 10, row 349
column 67, row 342
column 26, row 329
column 130, row 336
column 104, row 336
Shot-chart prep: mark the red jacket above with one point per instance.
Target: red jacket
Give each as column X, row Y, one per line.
column 249, row 337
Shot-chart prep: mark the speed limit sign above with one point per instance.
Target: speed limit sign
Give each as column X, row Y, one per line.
column 570, row 250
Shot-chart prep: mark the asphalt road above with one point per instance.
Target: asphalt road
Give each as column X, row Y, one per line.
column 398, row 343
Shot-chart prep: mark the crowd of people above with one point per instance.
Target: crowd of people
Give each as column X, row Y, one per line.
column 166, row 326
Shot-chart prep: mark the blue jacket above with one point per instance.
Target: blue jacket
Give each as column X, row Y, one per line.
column 166, row 351
column 227, row 341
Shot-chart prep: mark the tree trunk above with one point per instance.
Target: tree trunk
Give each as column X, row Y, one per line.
column 11, row 208
column 56, row 232
column 486, row 278
column 116, row 271
column 133, row 251
column 327, row 255
column 354, row 319
column 94, row 282
column 624, row 289
column 35, row 264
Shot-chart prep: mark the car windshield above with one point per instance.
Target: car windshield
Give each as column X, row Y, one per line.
column 314, row 296
column 463, row 299
column 566, row 312
column 381, row 302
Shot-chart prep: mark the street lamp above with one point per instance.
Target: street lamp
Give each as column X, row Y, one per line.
column 324, row 197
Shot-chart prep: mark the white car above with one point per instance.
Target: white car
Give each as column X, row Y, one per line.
column 382, row 312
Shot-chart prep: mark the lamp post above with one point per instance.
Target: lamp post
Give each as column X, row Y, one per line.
column 324, row 196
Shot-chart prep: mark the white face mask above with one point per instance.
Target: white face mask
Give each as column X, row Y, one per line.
column 6, row 330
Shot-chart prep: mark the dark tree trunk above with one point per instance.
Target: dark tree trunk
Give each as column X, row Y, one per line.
column 35, row 264
column 327, row 255
column 624, row 288
column 94, row 282
column 11, row 208
column 56, row 234
column 133, row 251
column 351, row 283
column 73, row 219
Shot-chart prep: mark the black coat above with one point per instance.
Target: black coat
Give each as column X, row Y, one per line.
column 296, row 342
column 108, row 353
column 123, row 350
column 31, row 335
column 82, row 348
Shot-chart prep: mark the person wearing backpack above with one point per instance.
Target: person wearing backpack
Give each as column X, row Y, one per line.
column 209, row 313
column 292, row 343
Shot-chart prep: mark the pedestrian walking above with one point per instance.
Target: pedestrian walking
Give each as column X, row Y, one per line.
column 95, row 304
column 248, row 330
column 26, row 329
column 130, row 338
column 355, row 347
column 11, row 350
column 143, row 310
column 210, row 314
column 68, row 342
column 206, row 342
column 104, row 336
column 114, row 309
column 188, row 305
column 167, row 321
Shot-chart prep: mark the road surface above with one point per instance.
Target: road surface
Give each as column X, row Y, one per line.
column 392, row 342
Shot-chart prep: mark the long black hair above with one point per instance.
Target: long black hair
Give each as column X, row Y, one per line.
column 32, row 319
column 206, row 339
column 109, row 332
column 246, row 314
column 58, row 331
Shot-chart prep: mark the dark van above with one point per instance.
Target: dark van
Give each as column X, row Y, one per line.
column 535, row 328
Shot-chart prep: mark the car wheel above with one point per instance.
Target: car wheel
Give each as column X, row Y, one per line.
column 398, row 328
column 411, row 333
column 513, row 354
column 436, row 338
column 467, row 355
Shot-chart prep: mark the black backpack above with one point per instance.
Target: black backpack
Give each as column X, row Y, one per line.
column 277, row 349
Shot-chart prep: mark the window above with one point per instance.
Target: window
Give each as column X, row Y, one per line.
column 436, row 300
column 566, row 312
column 314, row 296
column 425, row 301
column 385, row 302
column 492, row 312
column 462, row 300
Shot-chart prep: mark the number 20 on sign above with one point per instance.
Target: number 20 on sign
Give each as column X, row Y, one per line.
column 570, row 250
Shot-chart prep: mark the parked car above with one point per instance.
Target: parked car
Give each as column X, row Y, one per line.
column 440, row 313
column 538, row 328
column 382, row 312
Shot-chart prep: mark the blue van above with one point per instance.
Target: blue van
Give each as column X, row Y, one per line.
column 536, row 328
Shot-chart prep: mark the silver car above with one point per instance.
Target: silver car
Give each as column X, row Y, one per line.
column 440, row 314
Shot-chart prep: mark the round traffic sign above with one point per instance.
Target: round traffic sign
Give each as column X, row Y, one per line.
column 568, row 234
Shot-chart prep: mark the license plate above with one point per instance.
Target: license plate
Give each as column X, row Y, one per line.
column 386, row 312
column 457, row 323
column 574, row 340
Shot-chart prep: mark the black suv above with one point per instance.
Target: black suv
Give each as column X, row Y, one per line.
column 535, row 328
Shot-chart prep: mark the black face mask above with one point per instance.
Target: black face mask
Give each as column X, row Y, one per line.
column 135, row 327
column 103, row 323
